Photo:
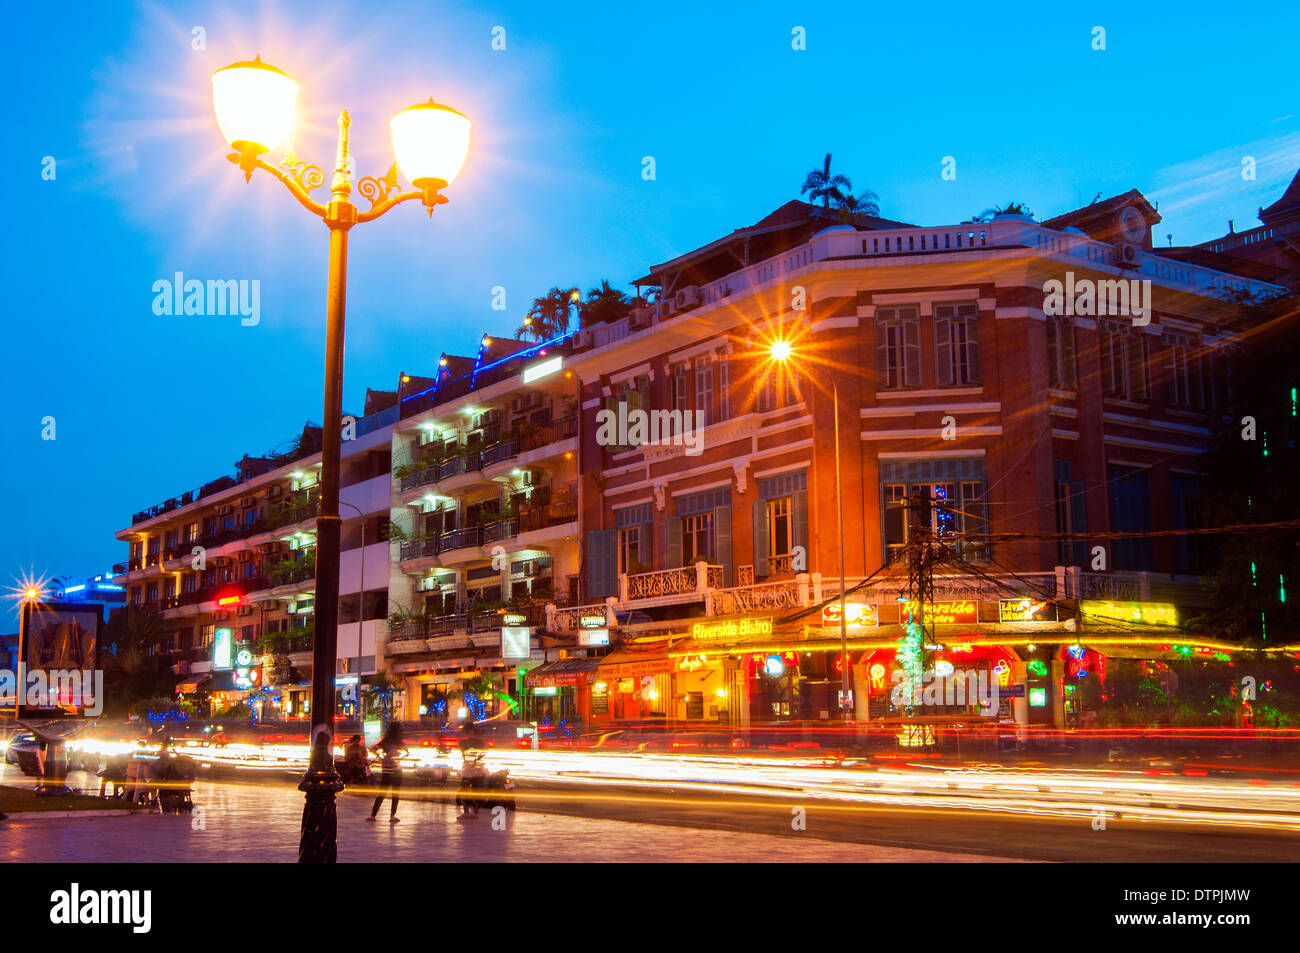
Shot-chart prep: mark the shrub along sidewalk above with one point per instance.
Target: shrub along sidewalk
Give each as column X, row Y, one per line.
column 24, row 801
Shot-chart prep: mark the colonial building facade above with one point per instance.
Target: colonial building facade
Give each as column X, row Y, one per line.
column 642, row 519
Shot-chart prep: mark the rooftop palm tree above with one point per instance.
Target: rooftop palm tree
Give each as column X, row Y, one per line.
column 821, row 184
column 605, row 304
column 855, row 208
column 549, row 315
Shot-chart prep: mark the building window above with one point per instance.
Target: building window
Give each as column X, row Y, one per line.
column 1060, row 354
column 780, row 533
column 1185, row 384
column 898, row 348
column 895, row 521
column 1071, row 516
column 697, row 538
column 957, row 344
column 188, row 582
column 1123, row 362
column 958, row 509
column 192, row 532
column 1186, row 498
column 1130, row 511
column 629, row 550
column 173, row 538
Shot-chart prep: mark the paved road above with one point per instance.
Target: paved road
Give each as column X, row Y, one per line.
column 259, row 824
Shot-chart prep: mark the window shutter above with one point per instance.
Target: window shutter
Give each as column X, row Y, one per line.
column 973, row 348
column 943, row 350
column 1067, row 354
column 722, row 541
column 1055, row 377
column 799, row 522
column 882, row 356
column 912, row 352
column 673, row 530
column 1078, row 522
column 760, row 538
column 601, row 564
column 644, row 549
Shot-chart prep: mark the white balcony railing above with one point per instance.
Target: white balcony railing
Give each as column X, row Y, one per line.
column 671, row 584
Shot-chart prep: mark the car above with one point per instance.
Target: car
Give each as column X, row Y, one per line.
column 24, row 741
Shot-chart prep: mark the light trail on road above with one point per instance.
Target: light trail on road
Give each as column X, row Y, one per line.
column 1052, row 792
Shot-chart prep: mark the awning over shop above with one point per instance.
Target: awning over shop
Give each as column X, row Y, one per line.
column 185, row 686
column 564, row 672
column 625, row 664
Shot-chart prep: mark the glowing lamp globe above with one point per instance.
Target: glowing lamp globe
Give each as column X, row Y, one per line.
column 255, row 105
column 430, row 143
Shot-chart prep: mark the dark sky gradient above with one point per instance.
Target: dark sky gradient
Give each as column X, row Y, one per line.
column 551, row 194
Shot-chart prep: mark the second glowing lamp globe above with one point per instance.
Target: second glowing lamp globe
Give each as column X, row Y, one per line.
column 255, row 105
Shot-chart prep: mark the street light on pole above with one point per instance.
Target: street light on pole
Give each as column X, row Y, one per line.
column 781, row 351
column 255, row 105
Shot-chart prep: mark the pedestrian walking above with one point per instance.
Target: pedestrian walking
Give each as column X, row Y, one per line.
column 392, row 748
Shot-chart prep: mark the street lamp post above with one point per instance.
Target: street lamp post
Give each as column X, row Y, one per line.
column 845, row 705
column 255, row 105
column 781, row 351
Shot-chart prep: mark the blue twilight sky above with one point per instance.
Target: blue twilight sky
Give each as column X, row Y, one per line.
column 147, row 406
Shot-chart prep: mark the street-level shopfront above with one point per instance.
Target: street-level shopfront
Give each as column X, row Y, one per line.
column 1030, row 654
column 561, row 693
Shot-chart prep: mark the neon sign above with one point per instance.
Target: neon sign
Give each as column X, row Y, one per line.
column 945, row 613
column 733, row 628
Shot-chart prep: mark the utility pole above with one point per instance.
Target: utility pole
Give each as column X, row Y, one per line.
column 914, row 654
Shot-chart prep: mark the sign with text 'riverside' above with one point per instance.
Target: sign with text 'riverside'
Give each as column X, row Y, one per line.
column 944, row 613
column 731, row 628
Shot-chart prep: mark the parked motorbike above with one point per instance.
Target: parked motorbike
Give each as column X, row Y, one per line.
column 481, row 788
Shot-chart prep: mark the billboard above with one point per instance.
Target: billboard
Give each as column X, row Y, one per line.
column 58, row 655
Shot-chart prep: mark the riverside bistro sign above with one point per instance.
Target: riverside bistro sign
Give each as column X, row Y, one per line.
column 943, row 613
column 731, row 628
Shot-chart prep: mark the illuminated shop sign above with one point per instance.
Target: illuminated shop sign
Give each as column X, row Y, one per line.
column 221, row 649
column 1026, row 610
column 542, row 369
column 592, row 637
column 945, row 613
column 593, row 621
column 858, row 615
column 516, row 641
column 514, row 619
column 1142, row 613
column 733, row 628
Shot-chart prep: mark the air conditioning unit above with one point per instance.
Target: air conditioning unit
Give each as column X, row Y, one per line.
column 584, row 339
column 248, row 502
column 225, row 510
column 276, row 490
column 516, row 405
column 1127, row 255
column 665, row 309
column 641, row 317
column 688, row 297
